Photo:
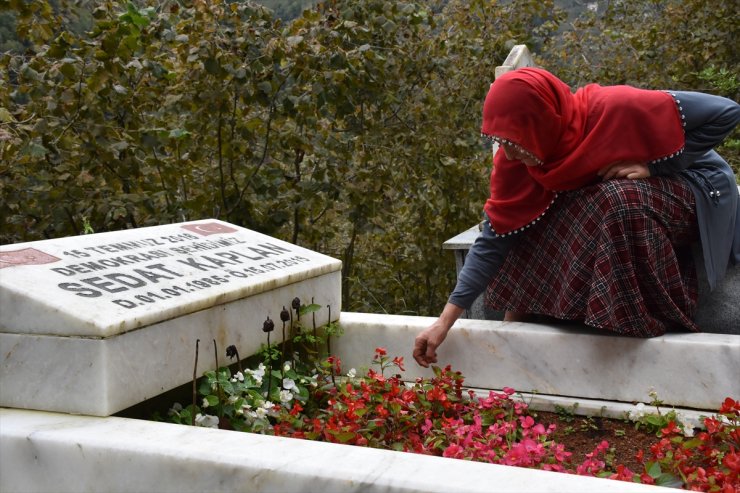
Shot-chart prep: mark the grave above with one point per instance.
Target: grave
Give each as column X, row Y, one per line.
column 93, row 324
column 88, row 322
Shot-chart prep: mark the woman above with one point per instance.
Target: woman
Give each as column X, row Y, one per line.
column 596, row 197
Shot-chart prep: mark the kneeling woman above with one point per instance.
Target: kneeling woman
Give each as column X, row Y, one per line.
column 596, row 198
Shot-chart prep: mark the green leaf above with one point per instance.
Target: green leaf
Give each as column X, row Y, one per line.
column 178, row 133
column 265, row 87
column 668, row 480
column 344, row 436
column 653, row 469
column 212, row 66
column 313, row 307
column 34, row 150
column 5, row 115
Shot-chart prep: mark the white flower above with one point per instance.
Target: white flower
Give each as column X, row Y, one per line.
column 258, row 374
column 175, row 409
column 206, row 421
column 288, row 384
column 638, row 412
column 261, row 412
column 239, row 376
column 233, row 398
column 352, row 373
column 204, row 404
column 687, row 423
column 286, row 396
column 286, row 366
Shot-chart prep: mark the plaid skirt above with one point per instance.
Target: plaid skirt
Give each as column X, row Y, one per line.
column 615, row 256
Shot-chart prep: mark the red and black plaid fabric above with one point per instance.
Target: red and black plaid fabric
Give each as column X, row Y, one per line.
column 615, row 256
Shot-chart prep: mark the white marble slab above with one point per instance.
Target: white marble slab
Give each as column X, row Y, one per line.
column 687, row 370
column 97, row 355
column 518, row 57
column 104, row 284
column 53, row 452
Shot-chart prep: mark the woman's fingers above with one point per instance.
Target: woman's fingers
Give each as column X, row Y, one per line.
column 623, row 169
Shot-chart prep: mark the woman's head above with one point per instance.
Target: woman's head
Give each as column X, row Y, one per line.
column 526, row 111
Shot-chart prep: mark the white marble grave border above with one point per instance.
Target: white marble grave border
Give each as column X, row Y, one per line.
column 44, row 451
column 687, row 370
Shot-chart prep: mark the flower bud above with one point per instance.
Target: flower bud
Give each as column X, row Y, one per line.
column 296, row 303
column 285, row 315
column 268, row 326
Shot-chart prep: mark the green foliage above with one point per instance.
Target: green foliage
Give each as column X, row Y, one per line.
column 286, row 373
column 352, row 130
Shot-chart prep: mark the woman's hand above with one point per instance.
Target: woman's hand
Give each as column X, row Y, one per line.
column 625, row 169
column 427, row 342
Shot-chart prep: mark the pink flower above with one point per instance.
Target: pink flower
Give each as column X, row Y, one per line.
column 453, row 451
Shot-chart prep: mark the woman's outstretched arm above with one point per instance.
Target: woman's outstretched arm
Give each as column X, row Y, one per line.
column 483, row 261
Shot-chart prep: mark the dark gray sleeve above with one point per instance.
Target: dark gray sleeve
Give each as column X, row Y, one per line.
column 483, row 261
column 708, row 119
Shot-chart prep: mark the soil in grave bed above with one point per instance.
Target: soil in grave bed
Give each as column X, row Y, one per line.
column 581, row 435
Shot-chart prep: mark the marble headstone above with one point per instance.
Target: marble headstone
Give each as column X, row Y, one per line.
column 93, row 324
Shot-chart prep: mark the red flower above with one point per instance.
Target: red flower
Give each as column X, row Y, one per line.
column 334, row 360
column 375, row 376
column 297, row 408
column 382, row 412
column 623, row 473
column 671, row 428
column 713, row 425
column 380, row 351
column 398, row 361
column 436, row 394
column 408, row 396
column 645, row 478
column 730, row 406
column 732, row 462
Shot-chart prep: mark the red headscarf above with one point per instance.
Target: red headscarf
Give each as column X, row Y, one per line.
column 575, row 135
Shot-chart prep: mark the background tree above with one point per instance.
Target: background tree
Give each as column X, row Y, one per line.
column 352, row 129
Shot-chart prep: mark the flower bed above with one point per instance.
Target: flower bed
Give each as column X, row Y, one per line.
column 311, row 398
column 292, row 391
